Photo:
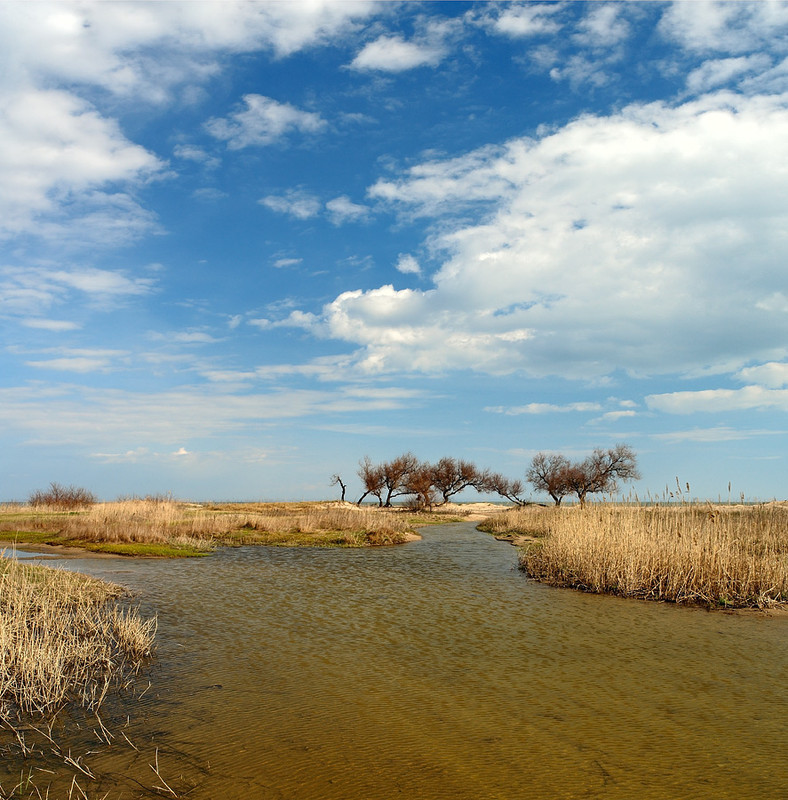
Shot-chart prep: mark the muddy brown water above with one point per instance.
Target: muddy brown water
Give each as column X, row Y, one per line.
column 436, row 670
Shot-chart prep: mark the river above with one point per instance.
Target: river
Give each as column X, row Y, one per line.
column 436, row 670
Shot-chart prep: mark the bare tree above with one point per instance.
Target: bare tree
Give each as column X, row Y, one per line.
column 602, row 471
column 549, row 472
column 396, row 475
column 512, row 490
column 337, row 481
column 450, row 476
column 371, row 476
column 420, row 484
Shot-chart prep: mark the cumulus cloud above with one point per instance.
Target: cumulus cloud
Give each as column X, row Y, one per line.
column 394, row 54
column 263, row 121
column 650, row 240
column 408, row 265
column 59, row 153
column 774, row 374
column 56, row 151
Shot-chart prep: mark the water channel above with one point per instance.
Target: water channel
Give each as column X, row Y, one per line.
column 436, row 670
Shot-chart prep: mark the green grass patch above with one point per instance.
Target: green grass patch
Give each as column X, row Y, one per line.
column 138, row 549
column 30, row 537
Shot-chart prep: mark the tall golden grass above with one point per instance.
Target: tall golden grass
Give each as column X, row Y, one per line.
column 63, row 640
column 732, row 556
column 200, row 526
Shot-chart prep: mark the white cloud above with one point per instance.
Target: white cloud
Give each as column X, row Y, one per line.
column 717, row 72
column 29, row 291
column 774, row 375
column 54, row 325
column 91, row 417
column 57, row 152
column 544, row 408
column 263, row 121
column 646, row 241
column 394, row 54
column 190, row 152
column 717, row 400
column 604, row 26
column 519, row 20
column 721, row 433
column 75, row 364
column 342, row 209
column 79, row 360
column 109, row 44
column 704, row 26
column 296, row 203
column 281, row 263
column 408, row 265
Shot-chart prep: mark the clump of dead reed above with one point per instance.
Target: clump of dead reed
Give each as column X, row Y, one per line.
column 731, row 556
column 63, row 640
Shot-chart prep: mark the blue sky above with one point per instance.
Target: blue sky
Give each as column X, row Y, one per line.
column 244, row 245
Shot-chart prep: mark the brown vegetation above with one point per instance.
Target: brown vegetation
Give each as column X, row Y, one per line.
column 62, row 498
column 731, row 556
column 598, row 473
column 63, row 640
column 159, row 526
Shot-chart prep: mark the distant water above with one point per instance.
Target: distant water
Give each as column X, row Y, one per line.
column 436, row 670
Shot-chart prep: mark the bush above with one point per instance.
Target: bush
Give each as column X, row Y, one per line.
column 63, row 498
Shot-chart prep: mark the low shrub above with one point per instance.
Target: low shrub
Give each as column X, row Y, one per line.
column 63, row 498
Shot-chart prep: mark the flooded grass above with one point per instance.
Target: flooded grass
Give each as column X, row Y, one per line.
column 715, row 555
column 63, row 639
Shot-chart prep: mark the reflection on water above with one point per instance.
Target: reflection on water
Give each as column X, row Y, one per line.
column 436, row 670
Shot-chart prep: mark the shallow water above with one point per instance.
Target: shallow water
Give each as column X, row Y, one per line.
column 436, row 670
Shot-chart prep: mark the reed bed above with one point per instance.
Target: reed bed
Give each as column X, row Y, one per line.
column 197, row 528
column 63, row 640
column 730, row 556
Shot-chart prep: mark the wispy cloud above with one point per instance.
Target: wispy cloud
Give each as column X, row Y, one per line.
column 544, row 408
column 295, row 203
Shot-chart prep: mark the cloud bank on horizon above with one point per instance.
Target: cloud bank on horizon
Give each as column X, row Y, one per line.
column 290, row 234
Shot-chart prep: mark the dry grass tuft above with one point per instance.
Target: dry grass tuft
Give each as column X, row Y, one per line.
column 63, row 640
column 731, row 556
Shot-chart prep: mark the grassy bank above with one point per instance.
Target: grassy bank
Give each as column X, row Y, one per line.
column 154, row 527
column 729, row 556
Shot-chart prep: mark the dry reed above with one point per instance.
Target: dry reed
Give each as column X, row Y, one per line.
column 200, row 527
column 63, row 640
column 732, row 556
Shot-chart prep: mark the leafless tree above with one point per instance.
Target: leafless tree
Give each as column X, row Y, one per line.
column 450, row 476
column 371, row 476
column 512, row 490
column 602, row 471
column 549, row 472
column 337, row 481
column 420, row 483
column 396, row 475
